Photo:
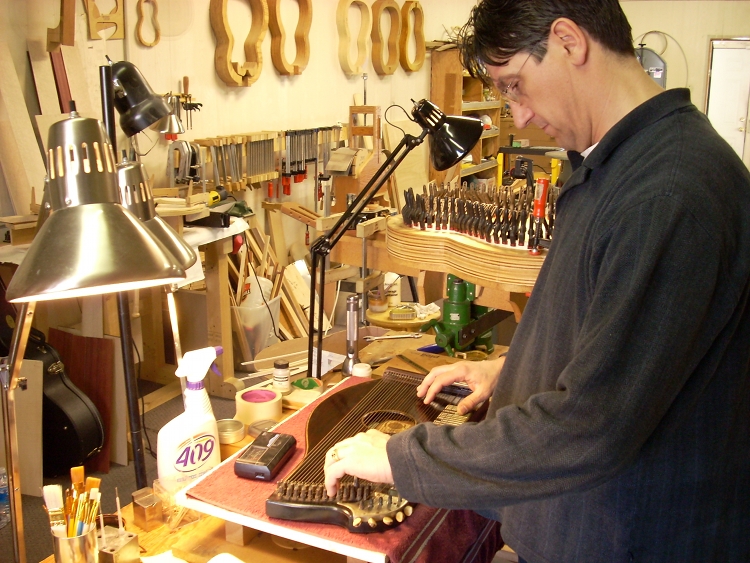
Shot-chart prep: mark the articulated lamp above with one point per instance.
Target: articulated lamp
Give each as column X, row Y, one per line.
column 124, row 88
column 452, row 137
column 89, row 245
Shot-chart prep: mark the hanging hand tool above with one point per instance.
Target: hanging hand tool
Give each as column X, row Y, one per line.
column 188, row 105
column 540, row 205
column 286, row 176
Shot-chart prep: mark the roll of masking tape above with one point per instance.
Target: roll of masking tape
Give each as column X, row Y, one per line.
column 258, row 404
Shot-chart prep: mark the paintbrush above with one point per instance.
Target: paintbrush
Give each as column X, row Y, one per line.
column 76, row 479
column 53, row 503
column 92, row 485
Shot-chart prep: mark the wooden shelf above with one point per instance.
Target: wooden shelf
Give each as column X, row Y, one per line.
column 487, row 165
column 474, row 106
column 456, row 93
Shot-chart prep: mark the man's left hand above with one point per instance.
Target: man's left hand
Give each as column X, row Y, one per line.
column 363, row 456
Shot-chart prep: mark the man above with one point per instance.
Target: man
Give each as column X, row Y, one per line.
column 619, row 423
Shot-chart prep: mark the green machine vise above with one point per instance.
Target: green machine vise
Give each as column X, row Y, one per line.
column 464, row 325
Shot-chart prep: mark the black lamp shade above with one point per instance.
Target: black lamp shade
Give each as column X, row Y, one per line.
column 452, row 137
column 139, row 107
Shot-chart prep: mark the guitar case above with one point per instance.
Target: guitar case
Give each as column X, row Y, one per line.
column 72, row 428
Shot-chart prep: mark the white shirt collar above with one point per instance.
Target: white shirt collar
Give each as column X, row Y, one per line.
column 588, row 151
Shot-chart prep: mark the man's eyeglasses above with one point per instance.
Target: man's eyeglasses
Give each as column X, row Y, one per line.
column 510, row 92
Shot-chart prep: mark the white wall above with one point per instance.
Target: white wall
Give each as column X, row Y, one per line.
column 322, row 94
column 319, row 96
column 692, row 24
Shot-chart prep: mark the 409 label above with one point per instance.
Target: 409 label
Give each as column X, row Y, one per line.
column 194, row 453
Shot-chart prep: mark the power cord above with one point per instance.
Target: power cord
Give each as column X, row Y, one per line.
column 273, row 323
column 149, row 449
column 640, row 40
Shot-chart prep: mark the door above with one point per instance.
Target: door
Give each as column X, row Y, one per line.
column 729, row 92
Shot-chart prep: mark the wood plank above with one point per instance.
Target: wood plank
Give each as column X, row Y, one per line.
column 20, row 158
column 238, row 330
column 278, row 240
column 65, row 32
column 61, row 80
column 217, row 307
column 80, row 89
column 301, row 293
column 295, row 311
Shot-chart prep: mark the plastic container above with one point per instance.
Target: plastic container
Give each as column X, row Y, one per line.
column 4, row 499
column 256, row 322
column 188, row 445
column 392, row 286
column 362, row 370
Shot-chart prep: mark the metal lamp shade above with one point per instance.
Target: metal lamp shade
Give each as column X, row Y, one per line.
column 90, row 244
column 136, row 197
column 88, row 250
column 139, row 107
column 171, row 125
column 452, row 137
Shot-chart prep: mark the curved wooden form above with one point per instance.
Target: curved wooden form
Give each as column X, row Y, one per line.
column 301, row 38
column 406, row 31
column 230, row 72
column 98, row 21
column 154, row 22
column 378, row 7
column 476, row 261
column 253, row 41
column 342, row 24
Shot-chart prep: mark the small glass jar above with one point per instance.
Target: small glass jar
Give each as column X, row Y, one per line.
column 281, row 377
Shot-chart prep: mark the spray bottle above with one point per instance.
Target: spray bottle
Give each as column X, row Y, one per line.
column 188, row 445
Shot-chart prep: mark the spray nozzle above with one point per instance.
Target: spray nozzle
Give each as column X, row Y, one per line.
column 196, row 363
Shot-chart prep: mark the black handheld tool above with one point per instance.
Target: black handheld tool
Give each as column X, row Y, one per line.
column 263, row 459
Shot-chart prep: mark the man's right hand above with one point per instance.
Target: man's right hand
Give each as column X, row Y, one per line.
column 481, row 378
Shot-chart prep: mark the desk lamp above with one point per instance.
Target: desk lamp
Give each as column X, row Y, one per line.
column 124, row 88
column 452, row 137
column 89, row 245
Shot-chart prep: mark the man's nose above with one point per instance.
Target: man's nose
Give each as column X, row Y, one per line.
column 522, row 115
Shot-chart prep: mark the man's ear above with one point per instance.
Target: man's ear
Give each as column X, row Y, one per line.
column 573, row 41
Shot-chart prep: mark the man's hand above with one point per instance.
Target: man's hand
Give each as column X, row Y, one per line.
column 362, row 456
column 481, row 378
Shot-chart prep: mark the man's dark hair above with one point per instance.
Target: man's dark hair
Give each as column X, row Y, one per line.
column 498, row 29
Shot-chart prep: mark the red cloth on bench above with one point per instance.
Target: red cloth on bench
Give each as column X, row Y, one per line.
column 428, row 535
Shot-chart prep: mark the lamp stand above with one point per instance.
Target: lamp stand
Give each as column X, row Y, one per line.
column 123, row 306
column 322, row 246
column 131, row 391
column 9, row 374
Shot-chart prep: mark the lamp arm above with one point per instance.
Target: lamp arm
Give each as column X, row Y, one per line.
column 11, row 381
column 323, row 245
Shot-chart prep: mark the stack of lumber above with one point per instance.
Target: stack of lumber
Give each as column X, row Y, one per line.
column 173, row 202
column 513, row 269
